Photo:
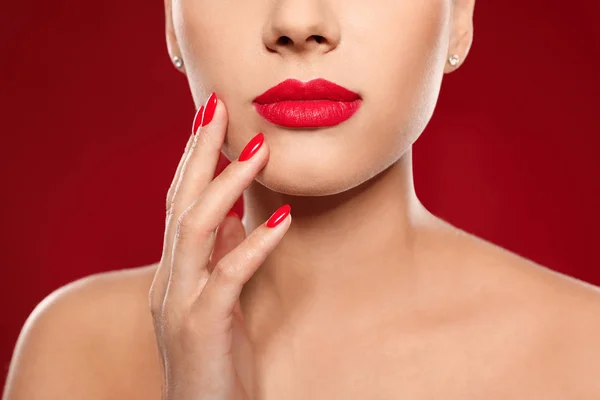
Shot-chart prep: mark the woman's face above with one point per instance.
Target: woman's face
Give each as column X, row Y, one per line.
column 393, row 53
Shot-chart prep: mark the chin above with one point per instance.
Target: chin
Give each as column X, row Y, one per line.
column 330, row 171
column 321, row 161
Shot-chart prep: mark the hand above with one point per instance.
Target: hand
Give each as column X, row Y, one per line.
column 206, row 259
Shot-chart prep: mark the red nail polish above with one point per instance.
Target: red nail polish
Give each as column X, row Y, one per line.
column 209, row 109
column 279, row 216
column 197, row 120
column 205, row 113
column 252, row 147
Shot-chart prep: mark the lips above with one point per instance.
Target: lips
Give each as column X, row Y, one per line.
column 316, row 103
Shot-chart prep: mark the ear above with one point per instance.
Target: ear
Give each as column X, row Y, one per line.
column 461, row 32
column 172, row 45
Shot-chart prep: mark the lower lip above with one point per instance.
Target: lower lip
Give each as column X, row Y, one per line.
column 308, row 114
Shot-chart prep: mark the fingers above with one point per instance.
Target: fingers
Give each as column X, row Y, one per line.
column 204, row 117
column 199, row 120
column 171, row 190
column 195, row 235
column 197, row 172
column 230, row 233
column 222, row 290
column 200, row 166
column 159, row 283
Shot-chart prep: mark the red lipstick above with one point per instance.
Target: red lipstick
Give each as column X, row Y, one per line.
column 314, row 104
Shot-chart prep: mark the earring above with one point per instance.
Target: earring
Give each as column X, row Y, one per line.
column 453, row 60
column 177, row 61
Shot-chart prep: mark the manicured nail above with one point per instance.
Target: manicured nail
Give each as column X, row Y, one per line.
column 279, row 216
column 197, row 120
column 206, row 112
column 233, row 214
column 209, row 109
column 252, row 147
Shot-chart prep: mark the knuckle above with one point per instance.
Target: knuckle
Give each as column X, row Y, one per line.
column 204, row 138
column 156, row 305
column 190, row 221
column 227, row 272
column 261, row 243
column 170, row 214
column 257, row 245
column 185, row 222
column 251, row 254
column 169, row 204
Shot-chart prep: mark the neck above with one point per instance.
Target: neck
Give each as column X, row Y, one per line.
column 342, row 253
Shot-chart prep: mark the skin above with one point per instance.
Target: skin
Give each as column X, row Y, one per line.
column 366, row 294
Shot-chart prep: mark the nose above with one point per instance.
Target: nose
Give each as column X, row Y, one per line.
column 301, row 26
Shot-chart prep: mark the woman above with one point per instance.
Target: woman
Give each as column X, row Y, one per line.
column 365, row 294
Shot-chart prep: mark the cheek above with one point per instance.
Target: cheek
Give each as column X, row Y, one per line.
column 215, row 39
column 406, row 56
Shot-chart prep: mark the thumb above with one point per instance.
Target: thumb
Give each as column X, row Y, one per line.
column 230, row 234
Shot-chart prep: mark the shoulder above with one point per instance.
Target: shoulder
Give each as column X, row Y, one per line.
column 85, row 338
column 565, row 320
column 519, row 281
column 504, row 272
column 555, row 317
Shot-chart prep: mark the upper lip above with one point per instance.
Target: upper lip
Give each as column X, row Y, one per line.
column 316, row 89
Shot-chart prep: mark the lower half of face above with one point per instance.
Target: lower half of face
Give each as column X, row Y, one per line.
column 389, row 52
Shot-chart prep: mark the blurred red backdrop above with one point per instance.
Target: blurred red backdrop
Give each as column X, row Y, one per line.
column 95, row 118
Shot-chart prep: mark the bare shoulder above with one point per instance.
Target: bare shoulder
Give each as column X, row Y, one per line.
column 92, row 338
column 507, row 272
column 554, row 316
column 565, row 323
column 571, row 306
column 576, row 302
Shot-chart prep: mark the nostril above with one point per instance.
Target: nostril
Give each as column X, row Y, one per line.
column 283, row 40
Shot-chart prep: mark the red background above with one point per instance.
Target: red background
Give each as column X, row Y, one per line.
column 95, row 118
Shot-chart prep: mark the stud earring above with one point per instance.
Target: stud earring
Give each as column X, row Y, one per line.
column 453, row 60
column 177, row 61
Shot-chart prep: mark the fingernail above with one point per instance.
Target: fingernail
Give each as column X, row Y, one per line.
column 279, row 216
column 233, row 214
column 252, row 147
column 197, row 120
column 206, row 112
column 209, row 109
